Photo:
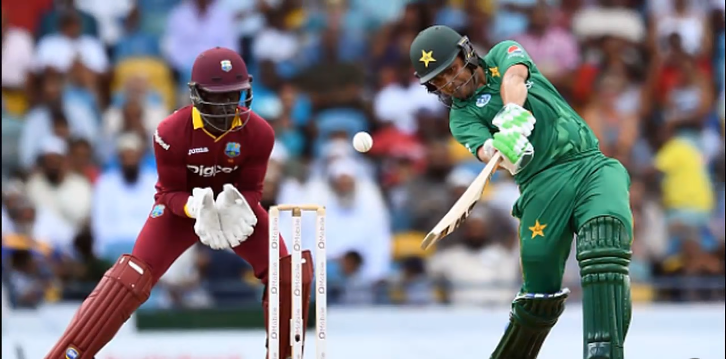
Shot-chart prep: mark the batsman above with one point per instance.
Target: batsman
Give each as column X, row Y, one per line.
column 502, row 103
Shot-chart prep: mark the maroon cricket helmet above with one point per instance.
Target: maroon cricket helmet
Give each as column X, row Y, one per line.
column 219, row 82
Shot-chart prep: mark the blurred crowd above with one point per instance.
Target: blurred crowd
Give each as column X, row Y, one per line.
column 85, row 83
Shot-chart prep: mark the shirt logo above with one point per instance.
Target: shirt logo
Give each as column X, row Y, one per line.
column 232, row 149
column 226, row 65
column 198, row 150
column 515, row 50
column 210, row 171
column 483, row 100
column 157, row 211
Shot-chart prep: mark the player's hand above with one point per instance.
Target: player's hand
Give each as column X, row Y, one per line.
column 514, row 118
column 235, row 214
column 207, row 225
column 515, row 148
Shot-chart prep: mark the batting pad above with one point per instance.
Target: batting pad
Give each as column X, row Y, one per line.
column 532, row 317
column 124, row 287
column 603, row 253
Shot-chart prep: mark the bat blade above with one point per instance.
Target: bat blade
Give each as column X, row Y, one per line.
column 463, row 206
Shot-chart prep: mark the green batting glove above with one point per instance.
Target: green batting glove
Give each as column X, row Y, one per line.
column 514, row 118
column 516, row 149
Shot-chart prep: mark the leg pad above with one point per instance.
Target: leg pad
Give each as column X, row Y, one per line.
column 124, row 287
column 530, row 321
column 603, row 253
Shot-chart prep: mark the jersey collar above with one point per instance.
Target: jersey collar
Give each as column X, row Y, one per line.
column 198, row 123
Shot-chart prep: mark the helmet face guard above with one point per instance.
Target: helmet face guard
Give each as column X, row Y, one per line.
column 219, row 106
column 471, row 61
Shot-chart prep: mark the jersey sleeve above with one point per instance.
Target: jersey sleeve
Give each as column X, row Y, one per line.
column 468, row 130
column 252, row 174
column 509, row 53
column 170, row 166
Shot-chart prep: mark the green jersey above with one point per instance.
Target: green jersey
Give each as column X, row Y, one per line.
column 560, row 134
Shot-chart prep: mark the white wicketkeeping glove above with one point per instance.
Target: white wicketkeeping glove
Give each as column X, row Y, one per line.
column 201, row 206
column 236, row 216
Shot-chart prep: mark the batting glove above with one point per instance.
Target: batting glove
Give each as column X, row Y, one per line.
column 235, row 214
column 516, row 150
column 207, row 226
column 515, row 118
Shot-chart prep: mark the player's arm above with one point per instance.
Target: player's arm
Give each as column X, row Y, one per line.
column 513, row 61
column 470, row 132
column 171, row 169
column 514, row 122
column 513, row 87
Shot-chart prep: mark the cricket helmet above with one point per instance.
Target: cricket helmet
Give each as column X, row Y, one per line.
column 219, row 81
column 435, row 49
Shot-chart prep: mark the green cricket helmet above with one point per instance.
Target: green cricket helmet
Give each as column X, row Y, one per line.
column 434, row 50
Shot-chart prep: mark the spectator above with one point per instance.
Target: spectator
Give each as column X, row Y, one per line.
column 85, row 268
column 181, row 284
column 17, row 56
column 480, row 269
column 553, row 49
column 132, row 41
column 194, row 26
column 431, row 204
column 356, row 289
column 355, row 214
column 81, row 161
column 60, row 50
column 690, row 24
column 615, row 125
column 39, row 223
column 412, row 286
column 275, row 42
column 137, row 109
column 107, row 16
column 123, row 198
column 56, row 188
column 50, row 21
column 28, row 285
column 56, row 115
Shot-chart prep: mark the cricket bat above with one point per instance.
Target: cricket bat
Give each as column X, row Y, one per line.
column 464, row 205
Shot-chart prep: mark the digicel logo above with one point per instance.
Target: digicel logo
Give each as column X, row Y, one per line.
column 210, row 171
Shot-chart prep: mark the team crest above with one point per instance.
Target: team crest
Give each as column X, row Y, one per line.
column 226, row 65
column 232, row 149
column 483, row 100
column 72, row 353
column 157, row 211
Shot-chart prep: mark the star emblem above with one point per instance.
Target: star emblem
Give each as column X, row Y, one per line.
column 494, row 71
column 427, row 57
column 537, row 229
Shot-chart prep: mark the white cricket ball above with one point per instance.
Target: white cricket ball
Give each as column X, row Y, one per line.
column 362, row 141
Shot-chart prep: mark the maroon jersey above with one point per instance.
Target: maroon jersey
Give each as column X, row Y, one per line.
column 187, row 156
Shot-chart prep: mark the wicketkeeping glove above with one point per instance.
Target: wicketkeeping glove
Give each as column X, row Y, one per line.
column 207, row 226
column 235, row 214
